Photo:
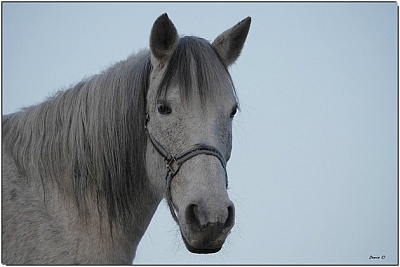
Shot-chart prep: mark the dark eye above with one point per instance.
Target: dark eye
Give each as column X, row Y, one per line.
column 233, row 113
column 163, row 108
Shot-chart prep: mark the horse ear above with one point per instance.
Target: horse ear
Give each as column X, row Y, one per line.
column 163, row 39
column 229, row 44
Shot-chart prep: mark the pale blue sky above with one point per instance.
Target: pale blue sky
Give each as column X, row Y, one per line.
column 313, row 172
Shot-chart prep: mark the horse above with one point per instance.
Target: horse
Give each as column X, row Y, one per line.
column 84, row 171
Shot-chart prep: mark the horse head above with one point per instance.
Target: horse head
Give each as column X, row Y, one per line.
column 191, row 102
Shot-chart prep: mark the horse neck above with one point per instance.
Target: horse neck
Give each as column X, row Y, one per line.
column 89, row 141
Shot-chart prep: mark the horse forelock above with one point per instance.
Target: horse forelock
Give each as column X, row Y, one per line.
column 89, row 139
column 197, row 69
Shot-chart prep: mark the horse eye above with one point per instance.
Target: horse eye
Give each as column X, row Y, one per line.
column 164, row 109
column 233, row 113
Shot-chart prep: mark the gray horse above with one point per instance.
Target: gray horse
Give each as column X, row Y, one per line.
column 84, row 171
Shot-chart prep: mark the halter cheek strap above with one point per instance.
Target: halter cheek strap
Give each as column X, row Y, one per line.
column 174, row 163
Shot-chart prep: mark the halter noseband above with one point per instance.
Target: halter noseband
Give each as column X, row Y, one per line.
column 174, row 162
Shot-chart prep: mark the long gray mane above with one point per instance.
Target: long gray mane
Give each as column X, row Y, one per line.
column 90, row 141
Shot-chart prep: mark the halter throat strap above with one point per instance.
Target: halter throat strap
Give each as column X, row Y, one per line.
column 174, row 162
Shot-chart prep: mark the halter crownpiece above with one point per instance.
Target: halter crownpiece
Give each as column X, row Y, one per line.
column 174, row 162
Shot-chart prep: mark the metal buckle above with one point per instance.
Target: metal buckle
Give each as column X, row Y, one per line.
column 169, row 165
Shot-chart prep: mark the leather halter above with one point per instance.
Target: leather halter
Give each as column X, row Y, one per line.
column 174, row 162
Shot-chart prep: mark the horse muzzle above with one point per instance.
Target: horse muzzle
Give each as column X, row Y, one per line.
column 203, row 233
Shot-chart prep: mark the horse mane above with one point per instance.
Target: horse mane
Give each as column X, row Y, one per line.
column 90, row 138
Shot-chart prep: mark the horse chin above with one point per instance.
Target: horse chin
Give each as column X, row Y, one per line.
column 206, row 249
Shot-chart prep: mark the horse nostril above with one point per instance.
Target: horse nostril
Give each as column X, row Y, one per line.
column 230, row 221
column 192, row 216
